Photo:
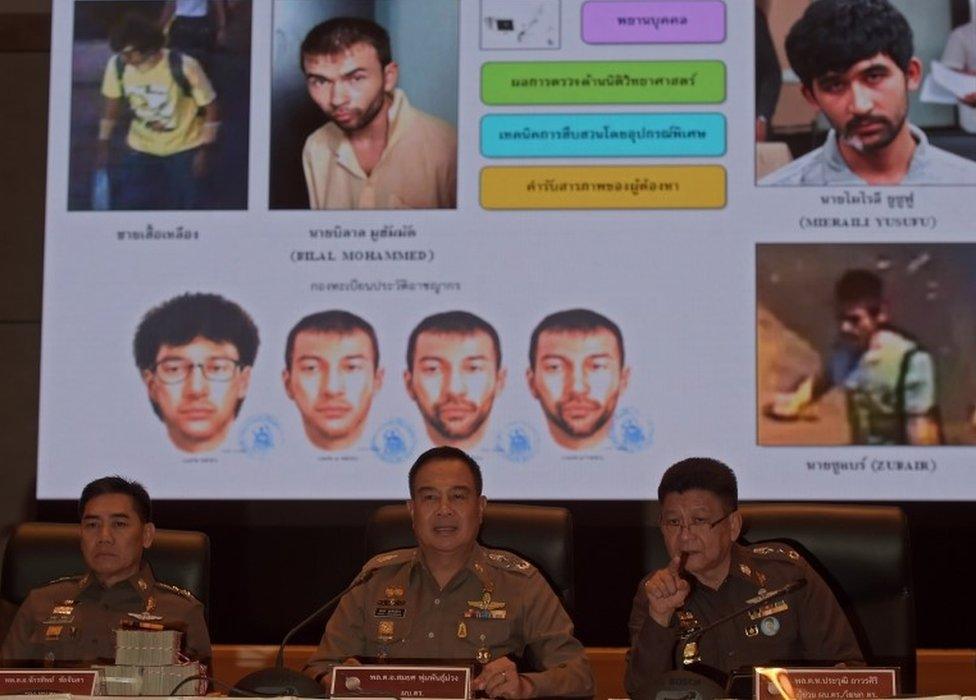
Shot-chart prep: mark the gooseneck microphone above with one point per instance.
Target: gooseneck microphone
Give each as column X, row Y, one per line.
column 279, row 681
column 695, row 633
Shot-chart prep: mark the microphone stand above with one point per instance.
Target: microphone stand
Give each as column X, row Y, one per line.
column 278, row 680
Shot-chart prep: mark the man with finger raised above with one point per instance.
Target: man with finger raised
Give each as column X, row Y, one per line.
column 709, row 577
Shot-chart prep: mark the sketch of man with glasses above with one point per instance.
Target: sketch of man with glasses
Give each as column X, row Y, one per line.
column 195, row 354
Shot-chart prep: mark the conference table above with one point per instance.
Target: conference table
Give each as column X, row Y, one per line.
column 940, row 671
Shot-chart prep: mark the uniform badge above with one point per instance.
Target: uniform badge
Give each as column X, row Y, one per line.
column 752, row 630
column 394, row 592
column 745, row 569
column 483, row 655
column 62, row 613
column 53, row 632
column 382, row 611
column 769, row 609
column 462, row 630
column 689, row 653
column 769, row 626
column 486, row 608
column 145, row 616
column 385, row 630
column 143, row 586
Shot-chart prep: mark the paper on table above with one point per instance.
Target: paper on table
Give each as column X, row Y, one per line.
column 933, row 93
column 959, row 84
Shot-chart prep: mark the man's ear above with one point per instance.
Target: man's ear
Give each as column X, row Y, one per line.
column 391, row 72
column 482, row 502
column 285, row 379
column 148, row 535
column 810, row 97
column 913, row 74
column 530, row 380
column 735, row 520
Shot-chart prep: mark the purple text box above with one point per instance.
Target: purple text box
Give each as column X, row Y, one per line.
column 654, row 22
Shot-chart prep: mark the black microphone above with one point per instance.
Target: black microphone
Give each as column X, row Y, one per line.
column 695, row 633
column 278, row 680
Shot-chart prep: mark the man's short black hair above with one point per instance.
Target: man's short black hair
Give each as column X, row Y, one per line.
column 860, row 287
column 702, row 473
column 137, row 32
column 117, row 484
column 332, row 321
column 181, row 319
column 339, row 34
column 453, row 323
column 442, row 453
column 574, row 321
column 833, row 35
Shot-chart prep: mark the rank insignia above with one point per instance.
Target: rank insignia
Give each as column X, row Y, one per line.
column 769, row 626
column 769, row 609
column 486, row 608
column 745, row 569
column 143, row 586
column 394, row 592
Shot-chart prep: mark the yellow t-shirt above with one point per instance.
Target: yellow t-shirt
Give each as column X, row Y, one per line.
column 165, row 121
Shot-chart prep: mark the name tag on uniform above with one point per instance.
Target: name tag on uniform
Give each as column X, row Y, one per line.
column 389, row 612
column 770, row 609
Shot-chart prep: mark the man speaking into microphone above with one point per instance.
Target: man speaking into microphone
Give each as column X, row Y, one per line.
column 710, row 578
column 451, row 598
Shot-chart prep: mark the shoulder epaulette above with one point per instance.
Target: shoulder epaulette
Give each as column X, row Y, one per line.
column 397, row 556
column 775, row 550
column 502, row 559
column 64, row 579
column 182, row 592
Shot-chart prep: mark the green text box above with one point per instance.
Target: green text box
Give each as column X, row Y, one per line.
column 602, row 82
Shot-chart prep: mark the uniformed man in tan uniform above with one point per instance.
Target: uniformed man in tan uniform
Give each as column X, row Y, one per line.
column 710, row 577
column 72, row 621
column 450, row 598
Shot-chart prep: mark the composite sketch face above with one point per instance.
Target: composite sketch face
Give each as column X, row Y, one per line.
column 332, row 378
column 454, row 380
column 578, row 378
column 197, row 388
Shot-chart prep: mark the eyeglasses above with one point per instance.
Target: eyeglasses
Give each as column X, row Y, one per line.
column 216, row 369
column 697, row 526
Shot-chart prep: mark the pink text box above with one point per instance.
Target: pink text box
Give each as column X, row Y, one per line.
column 654, row 22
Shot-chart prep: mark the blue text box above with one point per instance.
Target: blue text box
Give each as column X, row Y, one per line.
column 602, row 135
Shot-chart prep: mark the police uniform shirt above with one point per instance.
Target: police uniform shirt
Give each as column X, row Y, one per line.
column 805, row 625
column 72, row 621
column 498, row 605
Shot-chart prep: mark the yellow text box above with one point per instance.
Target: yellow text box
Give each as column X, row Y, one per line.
column 604, row 187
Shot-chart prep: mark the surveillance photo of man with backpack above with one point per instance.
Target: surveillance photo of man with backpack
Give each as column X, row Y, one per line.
column 155, row 137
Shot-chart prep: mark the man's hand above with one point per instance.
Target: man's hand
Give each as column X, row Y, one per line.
column 200, row 162
column 500, row 679
column 666, row 592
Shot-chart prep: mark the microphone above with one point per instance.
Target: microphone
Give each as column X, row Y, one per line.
column 689, row 654
column 280, row 681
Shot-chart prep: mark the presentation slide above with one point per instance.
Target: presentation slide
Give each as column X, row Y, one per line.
column 292, row 244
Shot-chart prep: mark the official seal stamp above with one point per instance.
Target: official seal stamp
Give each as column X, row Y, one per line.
column 260, row 435
column 394, row 441
column 517, row 441
column 630, row 432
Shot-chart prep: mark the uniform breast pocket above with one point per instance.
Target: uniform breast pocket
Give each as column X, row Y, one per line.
column 495, row 635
